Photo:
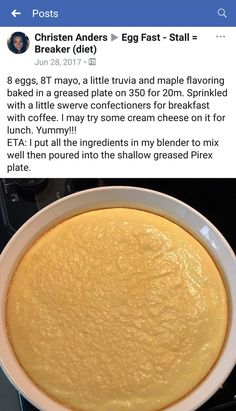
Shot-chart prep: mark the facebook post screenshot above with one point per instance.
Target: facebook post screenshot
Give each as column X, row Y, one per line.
column 117, row 206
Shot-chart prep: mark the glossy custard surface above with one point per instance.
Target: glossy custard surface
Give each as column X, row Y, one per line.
column 117, row 310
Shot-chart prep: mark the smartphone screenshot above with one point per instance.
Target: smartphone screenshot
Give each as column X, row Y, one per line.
column 117, row 206
column 145, row 92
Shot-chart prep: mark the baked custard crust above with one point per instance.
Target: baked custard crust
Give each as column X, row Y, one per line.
column 117, row 309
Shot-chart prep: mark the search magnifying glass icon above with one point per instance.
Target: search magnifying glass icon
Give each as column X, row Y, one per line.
column 221, row 13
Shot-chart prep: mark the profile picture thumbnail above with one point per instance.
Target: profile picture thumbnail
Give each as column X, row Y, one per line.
column 18, row 43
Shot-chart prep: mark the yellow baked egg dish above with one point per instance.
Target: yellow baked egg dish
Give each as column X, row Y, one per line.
column 117, row 310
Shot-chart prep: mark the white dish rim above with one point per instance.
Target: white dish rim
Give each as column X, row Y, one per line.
column 131, row 197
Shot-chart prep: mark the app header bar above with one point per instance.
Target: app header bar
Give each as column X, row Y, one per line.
column 134, row 13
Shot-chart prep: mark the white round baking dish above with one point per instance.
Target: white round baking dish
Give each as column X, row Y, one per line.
column 131, row 197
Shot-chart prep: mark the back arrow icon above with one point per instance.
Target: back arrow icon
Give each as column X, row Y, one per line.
column 15, row 13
